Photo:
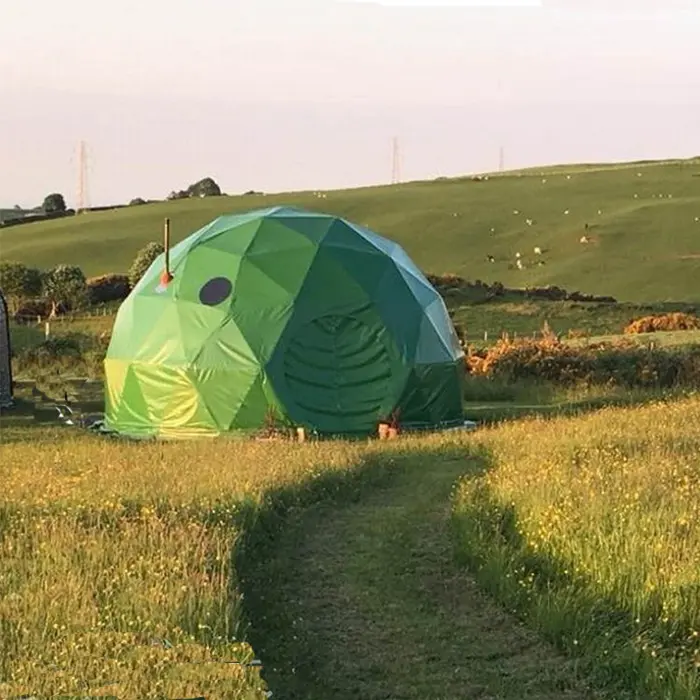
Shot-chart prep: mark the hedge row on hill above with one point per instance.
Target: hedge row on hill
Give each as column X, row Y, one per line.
column 450, row 284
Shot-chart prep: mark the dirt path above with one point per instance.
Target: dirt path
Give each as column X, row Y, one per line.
column 365, row 602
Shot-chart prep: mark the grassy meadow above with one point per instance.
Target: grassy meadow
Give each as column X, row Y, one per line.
column 109, row 548
column 588, row 528
column 643, row 224
column 585, row 527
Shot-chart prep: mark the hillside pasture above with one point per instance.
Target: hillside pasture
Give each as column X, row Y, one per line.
column 642, row 222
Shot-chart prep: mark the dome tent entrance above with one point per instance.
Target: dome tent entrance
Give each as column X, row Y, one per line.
column 307, row 316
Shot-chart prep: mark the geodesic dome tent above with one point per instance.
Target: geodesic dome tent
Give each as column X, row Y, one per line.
column 283, row 312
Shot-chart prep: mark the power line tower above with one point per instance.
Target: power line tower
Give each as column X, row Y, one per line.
column 83, row 201
column 395, row 161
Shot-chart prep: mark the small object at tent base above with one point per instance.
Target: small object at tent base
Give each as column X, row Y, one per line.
column 386, row 431
column 301, row 434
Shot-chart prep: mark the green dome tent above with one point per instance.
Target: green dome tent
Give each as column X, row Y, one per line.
column 283, row 312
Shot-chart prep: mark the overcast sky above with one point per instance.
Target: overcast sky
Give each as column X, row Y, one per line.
column 296, row 94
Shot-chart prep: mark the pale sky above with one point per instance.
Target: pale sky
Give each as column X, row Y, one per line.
column 307, row 94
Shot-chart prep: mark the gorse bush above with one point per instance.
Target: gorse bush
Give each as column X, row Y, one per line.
column 618, row 364
column 664, row 322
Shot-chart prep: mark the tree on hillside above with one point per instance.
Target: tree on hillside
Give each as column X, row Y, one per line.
column 54, row 203
column 206, row 187
column 65, row 285
column 143, row 260
column 18, row 283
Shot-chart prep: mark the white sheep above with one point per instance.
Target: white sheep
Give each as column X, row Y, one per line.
column 538, row 250
column 519, row 264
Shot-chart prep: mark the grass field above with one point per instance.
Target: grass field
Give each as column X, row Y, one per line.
column 591, row 538
column 589, row 529
column 642, row 249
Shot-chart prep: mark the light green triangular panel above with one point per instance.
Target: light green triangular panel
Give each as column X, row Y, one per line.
column 185, row 412
column 227, row 349
column 115, row 378
column 132, row 411
column 234, row 238
column 220, row 394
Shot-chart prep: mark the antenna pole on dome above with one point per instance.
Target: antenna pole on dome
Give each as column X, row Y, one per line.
column 166, row 276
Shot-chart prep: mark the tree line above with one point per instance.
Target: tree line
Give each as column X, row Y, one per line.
column 31, row 291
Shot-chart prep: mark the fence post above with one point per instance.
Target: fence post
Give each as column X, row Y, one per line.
column 47, row 330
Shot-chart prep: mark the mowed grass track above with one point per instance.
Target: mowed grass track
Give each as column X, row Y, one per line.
column 366, row 601
column 642, row 249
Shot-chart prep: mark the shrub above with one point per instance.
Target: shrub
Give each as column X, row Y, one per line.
column 31, row 309
column 64, row 285
column 664, row 322
column 110, row 287
column 54, row 203
column 18, row 284
column 620, row 364
column 143, row 260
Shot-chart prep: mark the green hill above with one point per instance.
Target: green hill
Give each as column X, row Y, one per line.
column 643, row 224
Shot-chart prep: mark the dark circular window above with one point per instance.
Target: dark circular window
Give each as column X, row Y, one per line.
column 215, row 291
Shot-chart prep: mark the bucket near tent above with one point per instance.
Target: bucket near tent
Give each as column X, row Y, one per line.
column 327, row 324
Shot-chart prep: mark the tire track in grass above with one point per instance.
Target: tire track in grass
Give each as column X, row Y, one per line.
column 365, row 601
